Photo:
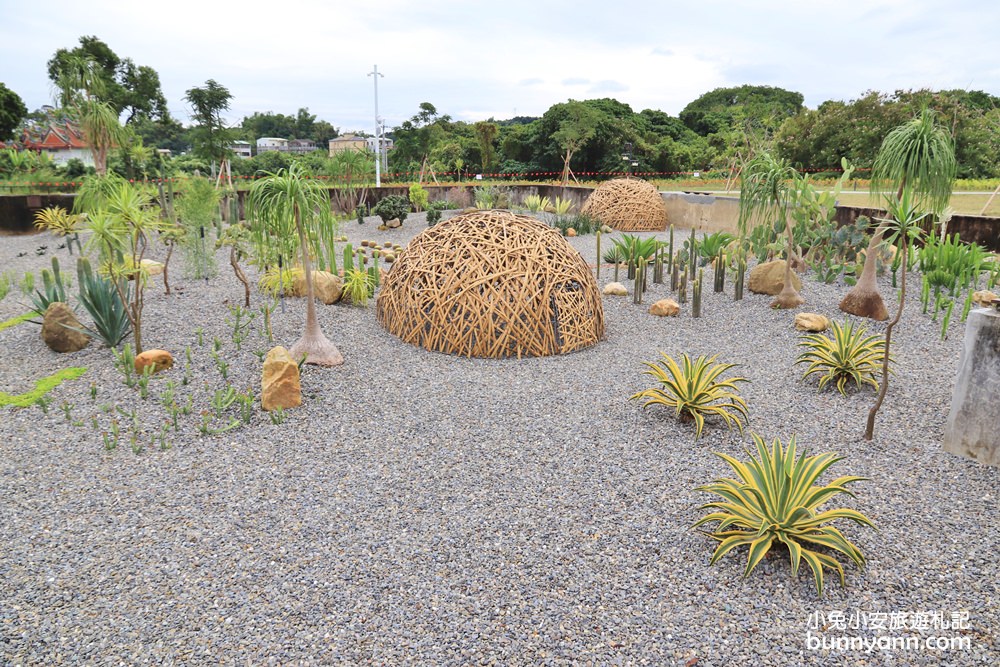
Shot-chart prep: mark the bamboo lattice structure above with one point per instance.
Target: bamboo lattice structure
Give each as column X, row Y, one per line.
column 628, row 205
column 492, row 284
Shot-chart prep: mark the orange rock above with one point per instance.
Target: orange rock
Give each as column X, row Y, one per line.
column 160, row 360
column 665, row 308
column 280, row 384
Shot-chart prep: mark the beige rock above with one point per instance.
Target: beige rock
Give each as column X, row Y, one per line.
column 983, row 297
column 570, row 232
column 57, row 317
column 280, row 385
column 811, row 322
column 665, row 308
column 327, row 286
column 394, row 223
column 769, row 278
column 615, row 289
column 152, row 267
column 160, row 360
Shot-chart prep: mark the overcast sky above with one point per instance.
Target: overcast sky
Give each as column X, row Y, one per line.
column 474, row 60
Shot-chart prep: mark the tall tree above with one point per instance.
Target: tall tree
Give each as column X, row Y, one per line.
column 211, row 137
column 81, row 88
column 12, row 112
column 486, row 134
column 577, row 128
column 127, row 88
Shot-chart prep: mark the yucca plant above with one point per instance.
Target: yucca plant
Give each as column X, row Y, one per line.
column 849, row 355
column 776, row 498
column 359, row 285
column 693, row 389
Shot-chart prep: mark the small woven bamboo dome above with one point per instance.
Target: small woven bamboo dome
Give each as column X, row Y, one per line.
column 492, row 284
column 628, row 205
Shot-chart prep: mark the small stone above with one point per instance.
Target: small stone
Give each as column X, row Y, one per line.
column 811, row 322
column 160, row 360
column 570, row 232
column 280, row 384
column 665, row 308
column 394, row 223
column 55, row 333
column 615, row 289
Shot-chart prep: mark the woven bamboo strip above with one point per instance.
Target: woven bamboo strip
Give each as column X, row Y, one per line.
column 492, row 284
column 628, row 205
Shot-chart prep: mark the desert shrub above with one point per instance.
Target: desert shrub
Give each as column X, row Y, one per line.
column 392, row 206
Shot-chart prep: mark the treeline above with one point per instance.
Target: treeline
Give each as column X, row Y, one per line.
column 717, row 132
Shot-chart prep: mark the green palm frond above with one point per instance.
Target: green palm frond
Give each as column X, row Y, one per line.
column 694, row 390
column 776, row 498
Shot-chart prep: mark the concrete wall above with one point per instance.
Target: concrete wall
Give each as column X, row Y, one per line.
column 17, row 212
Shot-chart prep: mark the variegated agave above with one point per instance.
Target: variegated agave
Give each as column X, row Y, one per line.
column 776, row 499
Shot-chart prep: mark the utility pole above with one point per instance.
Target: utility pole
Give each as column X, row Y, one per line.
column 378, row 138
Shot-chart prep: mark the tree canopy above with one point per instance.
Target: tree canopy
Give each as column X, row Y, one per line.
column 12, row 112
column 130, row 89
column 211, row 138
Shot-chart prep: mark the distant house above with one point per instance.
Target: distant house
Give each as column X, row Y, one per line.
column 265, row 144
column 386, row 144
column 61, row 140
column 241, row 149
column 348, row 142
column 300, row 146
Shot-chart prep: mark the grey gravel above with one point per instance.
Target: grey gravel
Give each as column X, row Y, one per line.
column 426, row 509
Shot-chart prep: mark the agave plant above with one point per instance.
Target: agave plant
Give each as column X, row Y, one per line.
column 777, row 498
column 850, row 355
column 712, row 244
column 694, row 390
column 105, row 303
column 632, row 248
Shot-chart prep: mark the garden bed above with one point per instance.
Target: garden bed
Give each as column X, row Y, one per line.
column 421, row 508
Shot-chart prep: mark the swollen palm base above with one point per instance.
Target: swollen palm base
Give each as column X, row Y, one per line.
column 317, row 348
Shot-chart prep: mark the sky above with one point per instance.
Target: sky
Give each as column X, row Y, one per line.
column 475, row 60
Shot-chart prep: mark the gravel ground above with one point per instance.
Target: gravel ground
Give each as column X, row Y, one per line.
column 426, row 509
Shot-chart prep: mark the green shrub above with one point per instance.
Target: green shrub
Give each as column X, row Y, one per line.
column 433, row 216
column 418, row 197
column 391, row 207
column 776, row 498
column 198, row 207
column 52, row 289
column 694, row 390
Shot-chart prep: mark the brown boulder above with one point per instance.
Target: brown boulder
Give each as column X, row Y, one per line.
column 983, row 298
column 280, row 384
column 55, row 332
column 327, row 287
column 160, row 360
column 769, row 278
column 811, row 322
column 665, row 308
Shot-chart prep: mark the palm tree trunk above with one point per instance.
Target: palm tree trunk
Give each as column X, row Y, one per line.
column 870, row 427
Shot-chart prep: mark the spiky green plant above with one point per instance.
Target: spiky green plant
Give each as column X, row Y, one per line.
column 848, row 355
column 776, row 498
column 103, row 300
column 694, row 390
column 358, row 286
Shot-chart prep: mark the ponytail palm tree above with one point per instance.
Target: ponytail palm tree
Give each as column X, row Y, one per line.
column 918, row 155
column 764, row 196
column 282, row 204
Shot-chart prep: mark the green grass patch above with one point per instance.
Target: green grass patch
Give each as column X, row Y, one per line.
column 14, row 321
column 42, row 387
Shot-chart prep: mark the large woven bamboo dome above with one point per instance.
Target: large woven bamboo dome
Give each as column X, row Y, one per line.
column 627, row 204
column 492, row 284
